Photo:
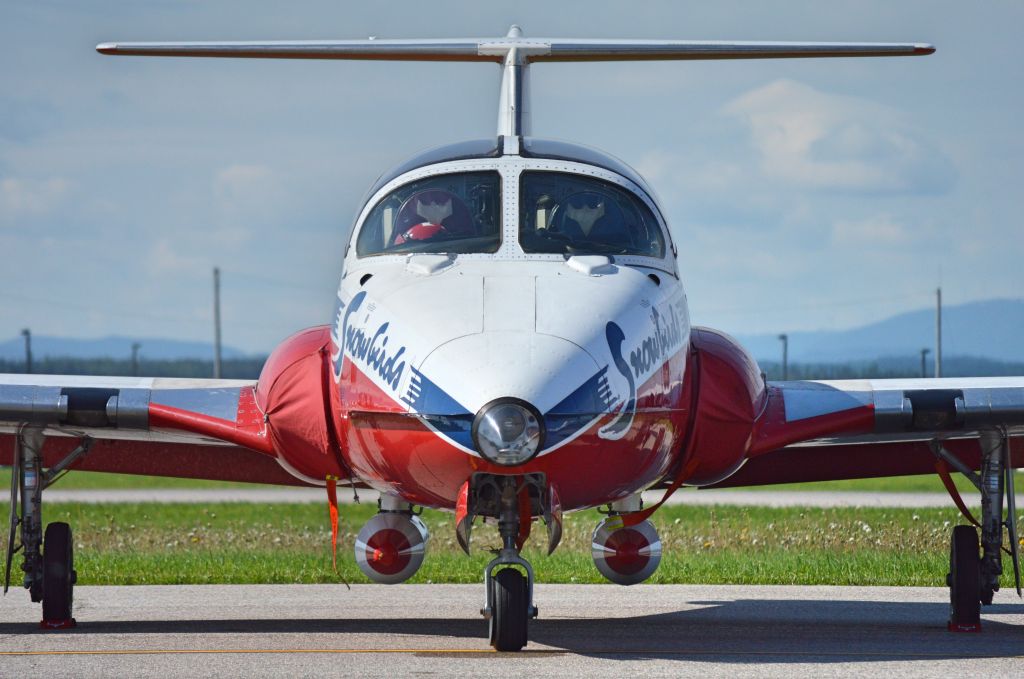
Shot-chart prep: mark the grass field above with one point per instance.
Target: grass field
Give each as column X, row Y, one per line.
column 97, row 480
column 246, row 543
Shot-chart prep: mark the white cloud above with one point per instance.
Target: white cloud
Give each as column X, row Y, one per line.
column 812, row 139
column 239, row 185
column 878, row 230
column 249, row 198
column 164, row 259
column 22, row 197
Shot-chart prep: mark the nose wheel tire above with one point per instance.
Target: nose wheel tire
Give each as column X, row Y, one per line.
column 964, row 581
column 58, row 576
column 510, row 615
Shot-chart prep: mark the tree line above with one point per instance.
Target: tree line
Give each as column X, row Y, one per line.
column 249, row 368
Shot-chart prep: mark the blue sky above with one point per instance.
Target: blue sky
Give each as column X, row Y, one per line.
column 802, row 194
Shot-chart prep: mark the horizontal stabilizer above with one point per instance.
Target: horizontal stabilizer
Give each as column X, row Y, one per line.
column 515, row 53
column 532, row 50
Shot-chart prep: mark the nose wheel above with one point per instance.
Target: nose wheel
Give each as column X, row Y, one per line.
column 508, row 578
column 510, row 610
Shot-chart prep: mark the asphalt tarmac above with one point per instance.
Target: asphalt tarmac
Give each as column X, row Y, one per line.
column 435, row 630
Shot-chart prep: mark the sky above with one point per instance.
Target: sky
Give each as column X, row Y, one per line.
column 802, row 194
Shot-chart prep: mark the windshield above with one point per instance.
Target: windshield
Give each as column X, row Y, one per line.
column 451, row 213
column 576, row 215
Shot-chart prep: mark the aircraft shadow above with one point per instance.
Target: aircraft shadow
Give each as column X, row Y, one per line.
column 743, row 631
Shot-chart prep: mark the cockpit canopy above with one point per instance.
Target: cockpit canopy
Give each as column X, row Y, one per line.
column 450, row 213
column 559, row 213
column 572, row 214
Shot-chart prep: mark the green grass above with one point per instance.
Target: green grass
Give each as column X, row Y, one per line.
column 925, row 483
column 79, row 480
column 290, row 543
column 99, row 480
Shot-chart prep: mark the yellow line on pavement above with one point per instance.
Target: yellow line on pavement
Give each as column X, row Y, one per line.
column 951, row 655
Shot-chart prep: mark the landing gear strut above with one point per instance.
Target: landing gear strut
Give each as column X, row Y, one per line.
column 973, row 579
column 48, row 561
column 509, row 592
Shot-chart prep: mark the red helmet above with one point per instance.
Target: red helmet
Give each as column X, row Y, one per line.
column 421, row 231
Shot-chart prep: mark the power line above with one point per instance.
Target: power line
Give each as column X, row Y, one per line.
column 102, row 312
column 823, row 305
column 274, row 282
column 109, row 313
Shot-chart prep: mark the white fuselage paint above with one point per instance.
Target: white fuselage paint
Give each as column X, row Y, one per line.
column 510, row 324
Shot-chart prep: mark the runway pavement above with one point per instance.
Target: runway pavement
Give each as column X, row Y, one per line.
column 590, row 630
column 764, row 498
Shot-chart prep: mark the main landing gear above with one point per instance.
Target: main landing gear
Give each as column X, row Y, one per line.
column 973, row 577
column 48, row 560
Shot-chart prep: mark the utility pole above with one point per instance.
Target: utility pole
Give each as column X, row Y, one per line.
column 27, row 334
column 938, row 332
column 135, row 358
column 924, row 355
column 216, row 323
column 785, row 356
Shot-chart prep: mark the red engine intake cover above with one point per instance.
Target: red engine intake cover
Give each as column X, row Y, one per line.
column 731, row 395
column 294, row 392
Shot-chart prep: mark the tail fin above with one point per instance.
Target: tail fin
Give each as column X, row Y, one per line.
column 516, row 53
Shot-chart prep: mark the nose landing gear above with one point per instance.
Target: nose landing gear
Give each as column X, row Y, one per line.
column 508, row 578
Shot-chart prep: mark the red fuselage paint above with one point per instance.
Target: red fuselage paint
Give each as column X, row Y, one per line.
column 381, row 445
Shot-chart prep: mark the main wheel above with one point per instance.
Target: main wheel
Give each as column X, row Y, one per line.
column 964, row 580
column 509, row 617
column 58, row 575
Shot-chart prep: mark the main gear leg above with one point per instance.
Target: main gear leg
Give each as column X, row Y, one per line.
column 48, row 562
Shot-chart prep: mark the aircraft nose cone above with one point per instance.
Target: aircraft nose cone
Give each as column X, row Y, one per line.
column 536, row 368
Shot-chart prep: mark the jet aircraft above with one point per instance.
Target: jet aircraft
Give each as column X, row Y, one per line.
column 510, row 342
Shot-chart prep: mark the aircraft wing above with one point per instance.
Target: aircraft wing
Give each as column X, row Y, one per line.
column 843, row 429
column 194, row 428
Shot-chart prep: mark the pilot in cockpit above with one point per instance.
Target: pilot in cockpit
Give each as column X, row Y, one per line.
column 434, row 214
column 589, row 216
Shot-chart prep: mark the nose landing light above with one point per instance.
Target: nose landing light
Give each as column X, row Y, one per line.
column 508, row 431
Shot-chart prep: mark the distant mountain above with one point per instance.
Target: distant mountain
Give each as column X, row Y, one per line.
column 112, row 347
column 992, row 329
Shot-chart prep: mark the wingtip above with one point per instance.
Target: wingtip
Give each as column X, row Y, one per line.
column 106, row 47
column 924, row 49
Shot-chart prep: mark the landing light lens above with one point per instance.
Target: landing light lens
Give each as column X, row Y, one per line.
column 507, row 432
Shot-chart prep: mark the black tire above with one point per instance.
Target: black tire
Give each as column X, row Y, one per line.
column 58, row 573
column 509, row 619
column 964, row 579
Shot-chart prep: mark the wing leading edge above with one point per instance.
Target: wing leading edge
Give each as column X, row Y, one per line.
column 194, row 428
column 826, row 430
